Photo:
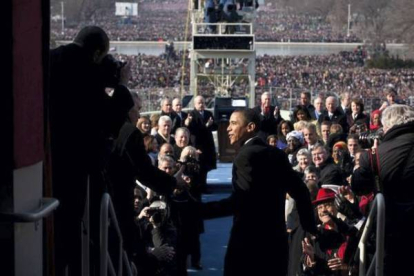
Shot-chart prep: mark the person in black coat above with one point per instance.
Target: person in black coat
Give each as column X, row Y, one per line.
column 329, row 172
column 81, row 118
column 128, row 162
column 332, row 114
column 201, row 124
column 167, row 110
column 261, row 178
column 396, row 159
column 269, row 116
column 177, row 107
column 357, row 113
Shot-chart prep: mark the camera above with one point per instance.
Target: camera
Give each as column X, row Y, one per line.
column 369, row 138
column 111, row 70
column 158, row 214
column 192, row 166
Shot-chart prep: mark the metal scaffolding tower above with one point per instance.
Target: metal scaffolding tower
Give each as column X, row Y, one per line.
column 223, row 54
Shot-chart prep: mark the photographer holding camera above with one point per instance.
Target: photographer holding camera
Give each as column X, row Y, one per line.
column 163, row 237
column 393, row 162
column 81, row 117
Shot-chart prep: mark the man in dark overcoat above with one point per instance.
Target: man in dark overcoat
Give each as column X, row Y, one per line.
column 201, row 125
column 262, row 175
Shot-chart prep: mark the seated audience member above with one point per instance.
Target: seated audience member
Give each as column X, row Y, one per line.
column 336, row 129
column 391, row 95
column 164, row 131
column 318, row 103
column 167, row 110
column 310, row 135
column 325, row 131
column 283, row 129
column 299, row 126
column 311, row 173
column 353, row 146
column 341, row 157
column 304, row 158
column 329, row 172
column 333, row 114
column 357, row 113
column 182, row 139
column 272, row 140
column 295, row 142
column 166, row 149
column 338, row 150
column 151, row 147
column 301, row 114
column 375, row 122
column 154, row 118
column 144, row 125
column 327, row 255
column 336, row 135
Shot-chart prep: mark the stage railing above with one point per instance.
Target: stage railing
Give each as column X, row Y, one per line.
column 377, row 264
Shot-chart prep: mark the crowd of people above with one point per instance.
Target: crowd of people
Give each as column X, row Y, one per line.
column 343, row 72
column 167, row 22
column 155, row 170
column 331, row 144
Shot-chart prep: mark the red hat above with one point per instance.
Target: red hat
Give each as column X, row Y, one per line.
column 323, row 196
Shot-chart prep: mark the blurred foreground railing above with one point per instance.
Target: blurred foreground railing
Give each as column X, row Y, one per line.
column 377, row 212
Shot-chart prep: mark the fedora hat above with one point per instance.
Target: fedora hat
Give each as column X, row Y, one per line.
column 324, row 195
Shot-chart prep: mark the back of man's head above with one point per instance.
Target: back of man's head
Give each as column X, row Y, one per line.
column 250, row 116
column 92, row 39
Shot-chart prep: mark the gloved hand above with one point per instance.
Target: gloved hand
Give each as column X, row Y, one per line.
column 348, row 209
column 343, row 227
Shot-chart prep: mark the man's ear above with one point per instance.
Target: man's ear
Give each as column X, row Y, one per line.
column 251, row 127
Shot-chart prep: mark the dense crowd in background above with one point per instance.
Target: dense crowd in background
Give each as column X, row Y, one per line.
column 158, row 76
column 168, row 22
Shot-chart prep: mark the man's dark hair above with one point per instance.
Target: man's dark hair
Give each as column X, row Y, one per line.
column 250, row 116
column 307, row 94
column 352, row 136
column 92, row 38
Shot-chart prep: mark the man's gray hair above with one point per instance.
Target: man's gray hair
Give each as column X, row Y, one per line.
column 319, row 145
column 165, row 158
column 166, row 99
column 184, row 130
column 164, row 118
column 304, row 152
column 397, row 114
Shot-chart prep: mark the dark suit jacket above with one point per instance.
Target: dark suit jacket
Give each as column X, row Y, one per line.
column 176, row 120
column 183, row 117
column 262, row 176
column 161, row 140
column 202, row 138
column 337, row 118
column 268, row 124
column 361, row 116
column 343, row 112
